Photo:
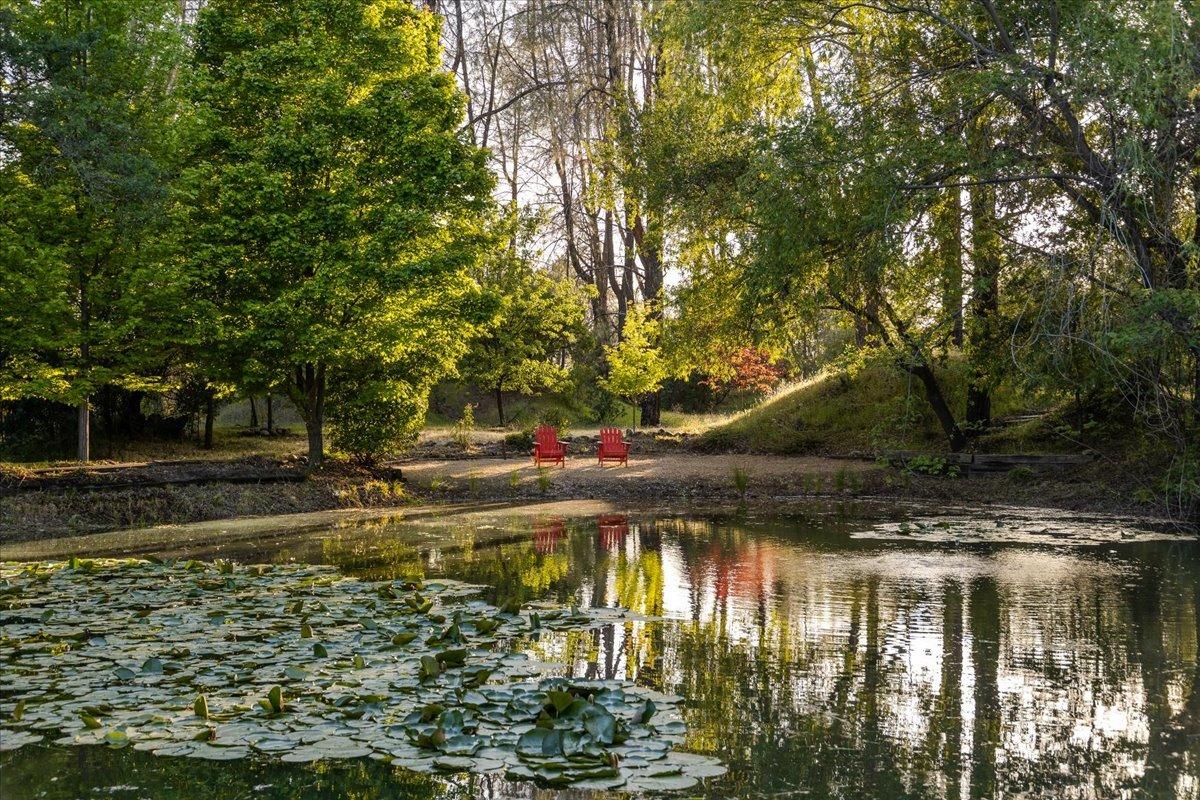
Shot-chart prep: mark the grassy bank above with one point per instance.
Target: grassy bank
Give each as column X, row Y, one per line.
column 879, row 408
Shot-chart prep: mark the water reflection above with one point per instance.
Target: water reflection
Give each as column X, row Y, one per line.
column 821, row 665
column 547, row 533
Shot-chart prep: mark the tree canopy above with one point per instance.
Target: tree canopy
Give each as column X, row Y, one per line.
column 333, row 236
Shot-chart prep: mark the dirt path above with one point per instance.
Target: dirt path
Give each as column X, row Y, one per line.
column 651, row 479
column 672, row 474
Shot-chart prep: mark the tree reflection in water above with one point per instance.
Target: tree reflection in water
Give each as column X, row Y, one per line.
column 814, row 663
column 822, row 664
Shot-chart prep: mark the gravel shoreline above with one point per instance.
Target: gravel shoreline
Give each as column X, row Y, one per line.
column 68, row 501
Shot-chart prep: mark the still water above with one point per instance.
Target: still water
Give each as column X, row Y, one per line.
column 822, row 655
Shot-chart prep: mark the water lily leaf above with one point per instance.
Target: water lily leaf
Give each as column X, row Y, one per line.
column 431, row 712
column 601, row 725
column 530, row 742
column 452, row 657
column 429, row 668
column 207, row 751
column 599, row 784
column 501, row 712
column 14, row 740
column 116, row 739
column 709, row 770
column 664, row 784
column 477, row 678
column 454, row 763
column 520, row 772
column 560, row 700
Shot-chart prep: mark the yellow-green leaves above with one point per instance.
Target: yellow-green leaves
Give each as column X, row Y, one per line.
column 200, row 707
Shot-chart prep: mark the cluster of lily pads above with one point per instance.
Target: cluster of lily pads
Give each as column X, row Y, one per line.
column 219, row 661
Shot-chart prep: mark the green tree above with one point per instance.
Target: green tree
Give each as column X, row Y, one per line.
column 524, row 349
column 636, row 366
column 330, row 197
column 869, row 159
column 87, row 296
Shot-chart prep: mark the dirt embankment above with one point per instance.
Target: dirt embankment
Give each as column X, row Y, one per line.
column 78, row 500
column 62, row 501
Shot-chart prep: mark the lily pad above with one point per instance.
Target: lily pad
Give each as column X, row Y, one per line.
column 195, row 660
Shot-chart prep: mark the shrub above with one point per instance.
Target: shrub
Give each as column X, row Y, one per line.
column 741, row 481
column 464, row 427
column 931, row 465
column 519, row 440
column 1020, row 475
column 381, row 417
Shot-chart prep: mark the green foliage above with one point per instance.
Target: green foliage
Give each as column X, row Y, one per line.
column 930, row 465
column 865, row 170
column 1021, row 475
column 519, row 440
column 635, row 365
column 465, row 427
column 741, row 481
column 88, row 297
column 375, row 416
column 333, row 239
column 835, row 411
column 538, row 319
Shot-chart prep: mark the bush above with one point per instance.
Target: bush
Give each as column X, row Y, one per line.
column 519, row 440
column 1020, row 475
column 380, row 417
column 931, row 465
column 465, row 427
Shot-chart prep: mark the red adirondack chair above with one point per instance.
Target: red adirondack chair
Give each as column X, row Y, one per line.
column 547, row 447
column 612, row 447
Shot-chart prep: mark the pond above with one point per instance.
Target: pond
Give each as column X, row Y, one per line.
column 835, row 652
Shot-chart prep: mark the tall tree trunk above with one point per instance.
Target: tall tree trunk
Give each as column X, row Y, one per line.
column 253, row 414
column 941, row 409
column 604, row 272
column 860, row 331
column 83, row 446
column 309, row 394
column 500, row 403
column 209, row 413
column 985, row 287
column 648, row 240
column 83, row 434
column 316, row 439
column 948, row 227
column 652, row 409
column 270, row 415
